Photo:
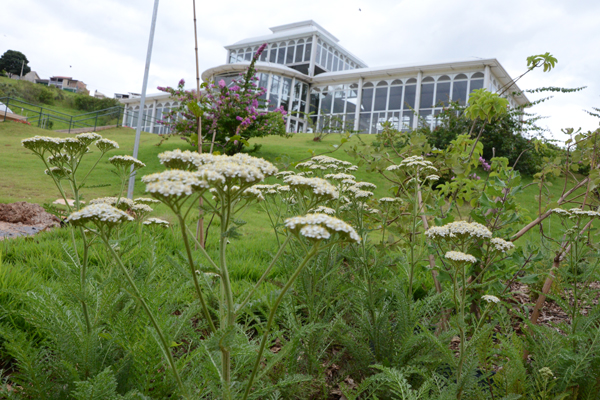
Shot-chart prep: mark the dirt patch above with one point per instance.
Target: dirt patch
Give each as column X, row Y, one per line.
column 23, row 219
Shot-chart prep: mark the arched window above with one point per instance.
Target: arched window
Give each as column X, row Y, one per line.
column 395, row 102
column 411, row 81
column 459, row 89
column 396, row 82
column 273, row 53
column 299, row 51
column 477, row 75
column 442, row 91
column 427, row 89
column 460, row 76
column 381, row 94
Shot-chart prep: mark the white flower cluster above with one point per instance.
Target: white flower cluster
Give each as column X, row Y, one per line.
column 59, row 158
column 330, row 224
column 126, row 161
column 283, row 174
column 88, row 138
column 502, row 245
column 560, row 211
column 268, row 189
column 330, row 160
column 39, row 144
column 122, row 203
column 323, row 210
column 100, row 214
column 145, row 200
column 415, row 162
column 432, row 178
column 234, row 171
column 490, row 299
column 315, row 232
column 141, row 208
column 284, row 188
column 357, row 193
column 156, row 221
column 253, row 193
column 105, row 145
column 317, row 186
column 175, row 183
column 460, row 229
column 361, row 185
column 340, row 177
column 178, row 159
column 578, row 211
column 390, row 200
column 459, row 256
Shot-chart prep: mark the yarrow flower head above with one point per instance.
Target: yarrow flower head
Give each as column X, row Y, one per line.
column 459, row 229
column 490, row 299
column 326, row 223
column 317, row 186
column 390, row 200
column 88, row 138
column 41, row 144
column 105, row 145
column 145, row 200
column 502, row 245
column 323, row 210
column 156, row 221
column 73, row 146
column 126, row 161
column 459, row 256
column 122, row 203
column 100, row 215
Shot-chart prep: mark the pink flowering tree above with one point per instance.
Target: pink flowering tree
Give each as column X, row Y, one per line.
column 230, row 115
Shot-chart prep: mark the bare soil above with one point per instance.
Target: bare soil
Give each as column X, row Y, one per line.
column 24, row 219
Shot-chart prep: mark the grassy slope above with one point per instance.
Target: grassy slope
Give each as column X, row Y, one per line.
column 23, row 177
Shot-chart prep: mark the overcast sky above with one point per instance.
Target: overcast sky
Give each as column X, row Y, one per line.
column 104, row 42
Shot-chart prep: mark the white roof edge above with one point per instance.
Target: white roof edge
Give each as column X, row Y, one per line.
column 310, row 22
column 260, row 67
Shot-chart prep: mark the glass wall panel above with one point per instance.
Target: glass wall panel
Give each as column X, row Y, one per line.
column 380, row 98
column 299, row 53
column 377, row 121
column 476, row 84
column 318, row 57
column 281, row 55
column 407, row 120
column 307, row 51
column 300, row 127
column 442, row 94
column 290, row 55
column 274, row 94
column 315, row 100
column 367, row 99
column 326, row 101
column 247, row 56
column 410, row 92
column 232, row 57
column 285, row 93
column 349, row 122
column 263, row 56
column 329, row 61
column 273, row 54
column 459, row 92
column 395, row 102
column 364, row 122
column 427, row 94
column 339, row 100
column 425, row 118
column 296, row 97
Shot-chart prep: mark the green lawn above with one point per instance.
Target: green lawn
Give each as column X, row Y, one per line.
column 23, row 178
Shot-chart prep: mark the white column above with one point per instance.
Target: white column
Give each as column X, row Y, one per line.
column 125, row 112
column 289, row 108
column 358, row 103
column 228, row 56
column 313, row 56
column 486, row 78
column 417, row 100
column 307, row 108
column 153, row 117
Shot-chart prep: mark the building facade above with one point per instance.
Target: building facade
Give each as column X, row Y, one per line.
column 323, row 86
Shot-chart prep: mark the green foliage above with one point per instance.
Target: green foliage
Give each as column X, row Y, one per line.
column 88, row 103
column 12, row 61
column 485, row 105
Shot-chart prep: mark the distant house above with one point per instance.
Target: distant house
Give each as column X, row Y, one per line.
column 31, row 76
column 45, row 82
column 129, row 95
column 99, row 95
column 68, row 83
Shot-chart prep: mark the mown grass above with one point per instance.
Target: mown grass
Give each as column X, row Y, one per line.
column 23, row 178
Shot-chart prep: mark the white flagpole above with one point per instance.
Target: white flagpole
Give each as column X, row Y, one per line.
column 140, row 121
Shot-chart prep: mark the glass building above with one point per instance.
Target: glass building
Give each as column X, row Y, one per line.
column 323, row 86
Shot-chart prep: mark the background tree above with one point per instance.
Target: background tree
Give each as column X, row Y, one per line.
column 11, row 62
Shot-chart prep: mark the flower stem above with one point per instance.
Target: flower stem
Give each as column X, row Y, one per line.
column 159, row 331
column 265, row 337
